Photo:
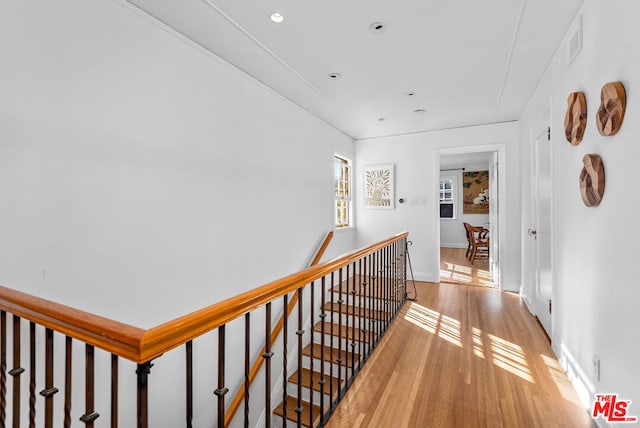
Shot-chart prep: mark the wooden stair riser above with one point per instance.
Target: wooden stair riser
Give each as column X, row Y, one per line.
column 328, row 357
column 332, row 368
column 292, row 390
column 291, row 414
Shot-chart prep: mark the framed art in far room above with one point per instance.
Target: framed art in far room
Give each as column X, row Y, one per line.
column 379, row 187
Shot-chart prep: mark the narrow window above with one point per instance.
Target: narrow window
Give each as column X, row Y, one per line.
column 342, row 190
column 447, row 198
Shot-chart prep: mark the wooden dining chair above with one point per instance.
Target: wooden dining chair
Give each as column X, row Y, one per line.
column 479, row 243
column 469, row 233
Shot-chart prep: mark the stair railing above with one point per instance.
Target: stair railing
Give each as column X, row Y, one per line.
column 379, row 266
column 259, row 361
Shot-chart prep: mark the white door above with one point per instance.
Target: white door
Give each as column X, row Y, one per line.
column 493, row 219
column 542, row 231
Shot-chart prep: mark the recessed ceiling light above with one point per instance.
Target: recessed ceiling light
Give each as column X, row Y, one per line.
column 377, row 27
column 335, row 76
column 381, row 119
column 276, row 17
column 419, row 111
column 410, row 93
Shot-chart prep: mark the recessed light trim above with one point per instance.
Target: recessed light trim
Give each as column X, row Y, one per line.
column 419, row 111
column 276, row 17
column 377, row 27
column 335, row 76
column 410, row 93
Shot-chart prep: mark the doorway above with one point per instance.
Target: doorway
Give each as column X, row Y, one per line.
column 454, row 265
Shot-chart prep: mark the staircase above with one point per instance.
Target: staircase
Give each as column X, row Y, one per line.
column 349, row 326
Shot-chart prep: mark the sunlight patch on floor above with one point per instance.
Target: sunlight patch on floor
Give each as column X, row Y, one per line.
column 503, row 353
column 559, row 377
column 510, row 357
column 465, row 274
column 434, row 322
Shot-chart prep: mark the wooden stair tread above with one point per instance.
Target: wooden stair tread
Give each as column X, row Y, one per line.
column 292, row 415
column 331, row 354
column 360, row 311
column 346, row 332
column 306, row 377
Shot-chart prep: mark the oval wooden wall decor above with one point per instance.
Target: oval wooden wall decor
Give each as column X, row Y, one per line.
column 575, row 121
column 613, row 102
column 592, row 180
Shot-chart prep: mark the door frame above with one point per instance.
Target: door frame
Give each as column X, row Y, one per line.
column 502, row 184
column 542, row 123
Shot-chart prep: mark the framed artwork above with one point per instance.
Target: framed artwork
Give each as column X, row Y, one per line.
column 379, row 187
column 475, row 192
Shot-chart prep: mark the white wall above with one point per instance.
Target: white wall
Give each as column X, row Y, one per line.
column 452, row 233
column 416, row 159
column 134, row 166
column 595, row 255
column 142, row 178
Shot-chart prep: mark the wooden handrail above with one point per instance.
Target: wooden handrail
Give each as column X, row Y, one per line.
column 141, row 346
column 257, row 364
column 113, row 336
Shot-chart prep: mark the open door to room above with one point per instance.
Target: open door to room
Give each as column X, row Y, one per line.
column 469, row 195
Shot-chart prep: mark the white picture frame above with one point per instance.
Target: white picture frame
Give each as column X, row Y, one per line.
column 379, row 187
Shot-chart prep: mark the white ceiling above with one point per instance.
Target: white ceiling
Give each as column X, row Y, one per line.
column 468, row 62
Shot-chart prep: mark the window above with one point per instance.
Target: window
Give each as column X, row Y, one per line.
column 447, row 197
column 342, row 190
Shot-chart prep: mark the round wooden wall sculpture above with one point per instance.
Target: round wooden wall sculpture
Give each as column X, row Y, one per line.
column 575, row 121
column 592, row 180
column 613, row 102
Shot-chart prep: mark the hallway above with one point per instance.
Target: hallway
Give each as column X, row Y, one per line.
column 462, row 356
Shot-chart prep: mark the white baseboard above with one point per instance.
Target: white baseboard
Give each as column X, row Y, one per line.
column 528, row 303
column 453, row 245
column 580, row 381
column 513, row 286
column 424, row 276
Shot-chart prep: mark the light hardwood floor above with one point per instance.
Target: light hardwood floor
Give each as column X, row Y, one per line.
column 456, row 268
column 462, row 356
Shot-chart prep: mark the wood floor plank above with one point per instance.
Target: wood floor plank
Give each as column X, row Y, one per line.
column 462, row 356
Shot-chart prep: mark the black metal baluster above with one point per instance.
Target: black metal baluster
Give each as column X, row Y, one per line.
column 331, row 357
column 90, row 414
column 32, row 375
column 323, row 315
column 385, row 263
column 189, row 382
column 247, row 365
column 16, row 372
column 221, row 390
column 67, row 381
column 340, row 301
column 366, row 307
column 114, row 391
column 285, row 344
column 267, row 365
column 3, row 368
column 312, row 314
column 300, row 332
column 49, row 390
column 142, row 396
column 354, row 293
column 362, row 329
column 379, row 294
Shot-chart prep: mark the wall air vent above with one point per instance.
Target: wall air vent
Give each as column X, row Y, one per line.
column 574, row 41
